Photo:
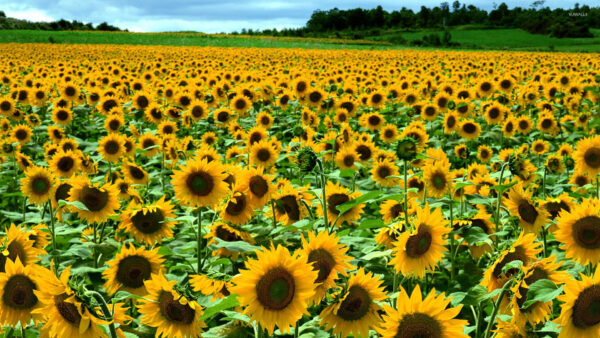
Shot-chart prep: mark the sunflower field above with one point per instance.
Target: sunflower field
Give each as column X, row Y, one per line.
column 241, row 192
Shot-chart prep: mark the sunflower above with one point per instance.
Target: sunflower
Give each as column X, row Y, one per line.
column 101, row 201
column 289, row 204
column 579, row 317
column 579, row 181
column 537, row 312
column 130, row 268
column 346, row 158
column 240, row 104
column 171, row 313
column 65, row 315
column 484, row 153
column 524, row 249
column 469, row 129
column 485, row 88
column 365, row 149
column 16, row 244
column 587, row 156
column 216, row 288
column 263, row 154
column 113, row 123
column 355, row 311
column 372, row 121
column 385, row 173
column 275, row 288
column 226, row 233
column 327, row 256
column 62, row 116
column 39, row 234
column 579, row 231
column 422, row 248
column 540, row 147
column 134, row 173
column 7, row 106
column 259, row 186
column 238, row 208
column 524, row 124
column 390, row 210
column 107, row 104
column 18, row 284
column 437, row 179
column 200, row 183
column 480, row 220
column 554, row 206
column 149, row 223
column 418, row 317
column 65, row 163
column 519, row 204
column 336, row 194
column 37, row 184
column 21, row 133
column 112, row 147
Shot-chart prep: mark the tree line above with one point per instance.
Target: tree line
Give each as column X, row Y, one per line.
column 58, row 25
column 537, row 19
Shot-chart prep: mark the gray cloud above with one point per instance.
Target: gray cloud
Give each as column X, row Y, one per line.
column 208, row 15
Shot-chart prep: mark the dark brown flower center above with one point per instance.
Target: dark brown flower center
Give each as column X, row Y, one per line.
column 418, row 325
column 227, row 235
column 263, row 155
column 237, row 204
column 323, row 262
column 517, row 255
column 276, row 289
column 291, row 207
column 586, row 232
column 200, row 183
column 527, row 212
column 258, row 186
column 40, row 185
column 133, row 271
column 93, row 198
column 18, row 293
column 586, row 309
column 419, row 243
column 356, row 304
column 67, row 310
column 65, row 164
column 136, row 172
column 172, row 310
column 469, row 128
column 336, row 199
column 149, row 222
column 364, row 152
column 374, row 120
column 592, row 157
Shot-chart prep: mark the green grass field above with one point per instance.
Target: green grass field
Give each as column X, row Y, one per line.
column 513, row 39
column 181, row 39
column 497, row 39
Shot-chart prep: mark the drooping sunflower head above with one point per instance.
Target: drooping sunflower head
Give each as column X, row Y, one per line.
column 524, row 249
column 327, row 256
column 355, row 311
column 100, row 201
column 149, row 223
column 519, row 203
column 171, row 313
column 17, row 245
column 422, row 248
column 580, row 316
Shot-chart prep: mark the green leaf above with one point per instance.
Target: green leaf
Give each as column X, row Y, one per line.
column 238, row 246
column 476, row 236
column 123, row 295
column 516, row 264
column 376, row 254
column 343, row 208
column 370, row 223
column 501, row 188
column 76, row 204
column 543, row 291
column 226, row 303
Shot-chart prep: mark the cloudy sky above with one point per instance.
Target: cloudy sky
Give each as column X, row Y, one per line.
column 211, row 16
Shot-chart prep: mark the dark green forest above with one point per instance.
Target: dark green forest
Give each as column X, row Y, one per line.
column 59, row 25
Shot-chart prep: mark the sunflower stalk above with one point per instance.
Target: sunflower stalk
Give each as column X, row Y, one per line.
column 452, row 243
column 53, row 236
column 406, row 191
column 105, row 311
column 324, row 198
column 497, row 213
column 492, row 320
column 199, row 239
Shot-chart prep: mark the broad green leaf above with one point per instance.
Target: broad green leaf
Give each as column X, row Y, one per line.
column 343, row 208
column 543, row 290
column 224, row 304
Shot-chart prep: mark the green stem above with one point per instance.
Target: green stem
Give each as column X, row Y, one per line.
column 597, row 187
column 544, row 183
column 324, row 197
column 199, row 238
column 274, row 215
column 53, row 237
column 406, row 192
column 451, row 238
column 23, row 330
column 544, row 233
column 488, row 330
column 497, row 213
column 107, row 314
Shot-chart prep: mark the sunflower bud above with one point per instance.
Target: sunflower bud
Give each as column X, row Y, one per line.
column 406, row 149
column 307, row 159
